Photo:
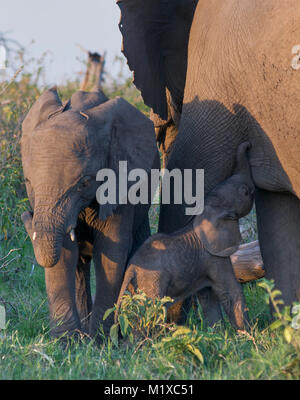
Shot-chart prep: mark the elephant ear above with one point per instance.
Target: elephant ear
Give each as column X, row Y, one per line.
column 155, row 41
column 128, row 135
column 47, row 104
column 82, row 100
column 218, row 231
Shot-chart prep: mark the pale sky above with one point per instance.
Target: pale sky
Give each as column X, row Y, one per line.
column 57, row 26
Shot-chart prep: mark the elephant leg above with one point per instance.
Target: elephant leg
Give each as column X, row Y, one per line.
column 178, row 312
column 210, row 306
column 278, row 222
column 209, row 303
column 141, row 224
column 112, row 247
column 229, row 292
column 141, row 234
column 166, row 136
column 60, row 286
column 83, row 292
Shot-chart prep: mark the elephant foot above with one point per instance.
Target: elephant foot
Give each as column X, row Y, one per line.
column 60, row 328
column 75, row 338
column 83, row 293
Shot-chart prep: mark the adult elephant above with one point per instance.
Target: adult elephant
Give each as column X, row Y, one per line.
column 240, row 85
column 63, row 148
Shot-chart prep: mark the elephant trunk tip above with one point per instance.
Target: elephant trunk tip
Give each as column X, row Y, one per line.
column 242, row 163
column 242, row 167
column 44, row 260
column 46, row 252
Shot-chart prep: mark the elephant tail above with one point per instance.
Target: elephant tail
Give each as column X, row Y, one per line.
column 129, row 275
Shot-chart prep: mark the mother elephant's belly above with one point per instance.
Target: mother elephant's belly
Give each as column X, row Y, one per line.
column 276, row 164
column 241, row 55
column 268, row 178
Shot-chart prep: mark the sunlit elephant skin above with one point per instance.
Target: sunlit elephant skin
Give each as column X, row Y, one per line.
column 198, row 256
column 63, row 148
column 240, row 84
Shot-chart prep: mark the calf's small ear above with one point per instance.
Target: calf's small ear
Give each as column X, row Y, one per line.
column 81, row 100
column 130, row 137
column 218, row 231
column 44, row 106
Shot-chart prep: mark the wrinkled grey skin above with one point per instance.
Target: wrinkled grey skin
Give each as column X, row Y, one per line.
column 239, row 85
column 63, row 148
column 198, row 256
column 155, row 42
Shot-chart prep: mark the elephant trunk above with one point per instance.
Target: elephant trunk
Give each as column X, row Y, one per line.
column 47, row 239
column 46, row 235
column 242, row 168
column 47, row 251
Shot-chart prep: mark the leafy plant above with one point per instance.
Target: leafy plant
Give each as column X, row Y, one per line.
column 139, row 316
column 15, row 100
column 142, row 320
column 286, row 318
column 183, row 340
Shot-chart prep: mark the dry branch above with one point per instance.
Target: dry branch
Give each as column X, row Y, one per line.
column 94, row 74
column 247, row 262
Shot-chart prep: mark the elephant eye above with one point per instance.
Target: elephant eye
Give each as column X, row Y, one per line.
column 85, row 182
column 244, row 190
column 231, row 216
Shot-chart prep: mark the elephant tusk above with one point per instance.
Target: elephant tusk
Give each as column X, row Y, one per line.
column 34, row 236
column 72, row 235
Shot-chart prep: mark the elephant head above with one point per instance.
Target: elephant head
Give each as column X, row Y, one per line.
column 63, row 147
column 218, row 225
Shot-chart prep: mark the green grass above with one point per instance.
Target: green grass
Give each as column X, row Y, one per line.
column 28, row 352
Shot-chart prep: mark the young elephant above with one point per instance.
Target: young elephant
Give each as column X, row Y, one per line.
column 64, row 146
column 198, row 256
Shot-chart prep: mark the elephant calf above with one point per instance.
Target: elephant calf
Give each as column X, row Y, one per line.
column 198, row 256
column 64, row 147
